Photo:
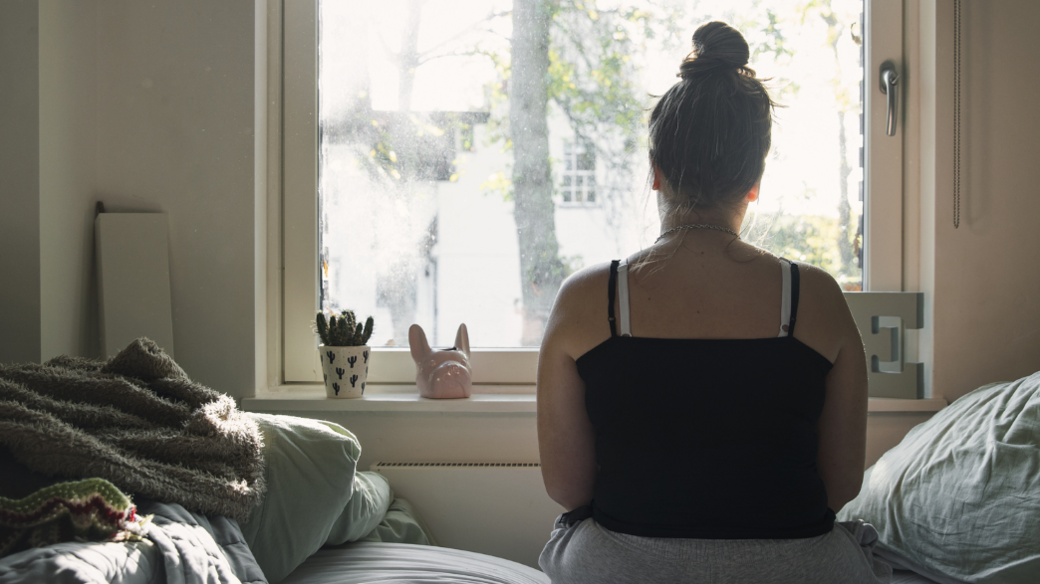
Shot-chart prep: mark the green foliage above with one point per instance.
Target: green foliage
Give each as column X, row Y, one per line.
column 500, row 183
column 344, row 331
column 807, row 238
column 593, row 82
column 572, row 263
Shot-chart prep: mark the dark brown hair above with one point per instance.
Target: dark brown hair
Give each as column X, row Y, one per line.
column 710, row 133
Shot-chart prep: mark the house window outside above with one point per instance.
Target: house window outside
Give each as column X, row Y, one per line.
column 418, row 152
column 578, row 180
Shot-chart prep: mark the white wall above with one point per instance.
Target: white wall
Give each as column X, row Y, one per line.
column 175, row 118
column 47, row 161
column 47, row 146
column 147, row 107
column 68, row 177
column 982, row 279
column 456, row 437
column 19, row 182
column 438, row 436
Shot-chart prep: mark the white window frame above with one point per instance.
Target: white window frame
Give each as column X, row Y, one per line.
column 298, row 72
column 573, row 148
column 883, row 154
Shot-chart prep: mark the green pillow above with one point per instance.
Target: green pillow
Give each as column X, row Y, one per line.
column 401, row 524
column 313, row 495
column 960, row 495
column 364, row 511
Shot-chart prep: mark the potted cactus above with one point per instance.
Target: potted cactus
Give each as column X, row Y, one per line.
column 344, row 353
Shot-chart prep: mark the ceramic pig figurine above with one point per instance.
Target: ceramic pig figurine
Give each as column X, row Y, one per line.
column 441, row 374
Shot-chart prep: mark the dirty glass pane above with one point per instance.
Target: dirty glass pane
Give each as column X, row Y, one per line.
column 464, row 174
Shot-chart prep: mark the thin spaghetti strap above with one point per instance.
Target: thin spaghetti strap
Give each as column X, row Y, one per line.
column 626, row 322
column 785, row 302
column 794, row 298
column 611, row 289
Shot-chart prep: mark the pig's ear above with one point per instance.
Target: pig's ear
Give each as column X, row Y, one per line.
column 417, row 343
column 462, row 339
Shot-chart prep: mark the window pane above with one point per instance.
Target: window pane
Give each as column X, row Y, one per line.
column 586, row 161
column 425, row 154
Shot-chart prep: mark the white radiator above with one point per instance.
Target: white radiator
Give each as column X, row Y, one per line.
column 500, row 509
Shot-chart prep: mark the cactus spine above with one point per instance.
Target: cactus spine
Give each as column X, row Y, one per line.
column 344, row 330
column 323, row 328
column 366, row 333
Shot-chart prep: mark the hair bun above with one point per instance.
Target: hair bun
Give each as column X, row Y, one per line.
column 715, row 44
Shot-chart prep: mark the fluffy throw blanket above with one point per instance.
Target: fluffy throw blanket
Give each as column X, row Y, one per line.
column 138, row 421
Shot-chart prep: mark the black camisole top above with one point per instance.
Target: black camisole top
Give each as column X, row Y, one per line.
column 706, row 438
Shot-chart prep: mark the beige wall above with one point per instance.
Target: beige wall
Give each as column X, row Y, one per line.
column 446, row 437
column 437, row 437
column 175, row 134
column 19, row 182
column 47, row 148
column 68, row 177
column 983, row 278
column 147, row 107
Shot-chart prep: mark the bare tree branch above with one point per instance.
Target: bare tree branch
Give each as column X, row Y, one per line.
column 491, row 16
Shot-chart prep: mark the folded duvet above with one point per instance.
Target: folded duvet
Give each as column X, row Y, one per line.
column 178, row 547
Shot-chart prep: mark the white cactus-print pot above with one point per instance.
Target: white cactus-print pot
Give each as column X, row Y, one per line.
column 345, row 370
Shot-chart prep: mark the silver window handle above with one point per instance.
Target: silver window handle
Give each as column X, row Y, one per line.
column 889, row 86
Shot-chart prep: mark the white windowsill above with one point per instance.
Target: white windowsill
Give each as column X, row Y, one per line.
column 485, row 399
column 393, row 398
column 887, row 404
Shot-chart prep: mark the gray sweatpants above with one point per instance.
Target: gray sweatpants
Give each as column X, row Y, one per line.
column 586, row 553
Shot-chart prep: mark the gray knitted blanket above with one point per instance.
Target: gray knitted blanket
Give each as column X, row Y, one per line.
column 137, row 421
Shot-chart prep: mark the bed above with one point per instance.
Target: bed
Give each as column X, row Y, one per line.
column 365, row 562
column 127, row 471
column 957, row 501
column 909, row 577
column 184, row 547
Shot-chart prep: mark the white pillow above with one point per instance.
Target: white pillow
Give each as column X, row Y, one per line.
column 960, row 495
column 313, row 495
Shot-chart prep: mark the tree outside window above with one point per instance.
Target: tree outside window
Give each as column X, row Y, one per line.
column 455, row 134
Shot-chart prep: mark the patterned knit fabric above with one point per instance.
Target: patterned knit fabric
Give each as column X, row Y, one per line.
column 87, row 510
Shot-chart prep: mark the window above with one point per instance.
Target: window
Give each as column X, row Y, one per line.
column 578, row 177
column 416, row 166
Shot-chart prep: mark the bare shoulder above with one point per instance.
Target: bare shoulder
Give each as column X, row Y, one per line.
column 824, row 319
column 818, row 285
column 579, row 314
column 585, row 279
